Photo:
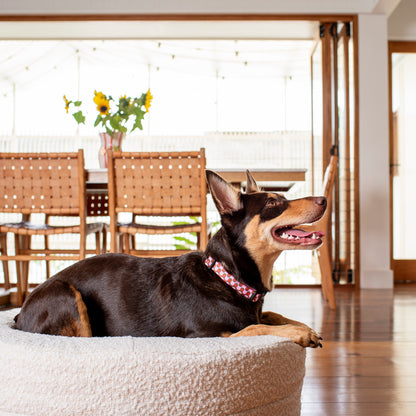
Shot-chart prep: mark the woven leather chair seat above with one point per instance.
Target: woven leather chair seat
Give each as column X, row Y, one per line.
column 29, row 228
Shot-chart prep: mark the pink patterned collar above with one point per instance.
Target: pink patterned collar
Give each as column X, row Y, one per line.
column 243, row 289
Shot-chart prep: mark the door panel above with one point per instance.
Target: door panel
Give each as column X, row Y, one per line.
column 402, row 158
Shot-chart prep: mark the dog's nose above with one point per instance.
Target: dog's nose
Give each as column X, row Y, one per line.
column 320, row 200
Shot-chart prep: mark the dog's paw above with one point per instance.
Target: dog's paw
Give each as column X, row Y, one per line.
column 302, row 335
column 315, row 339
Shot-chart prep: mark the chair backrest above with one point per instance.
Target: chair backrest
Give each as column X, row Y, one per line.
column 159, row 184
column 48, row 183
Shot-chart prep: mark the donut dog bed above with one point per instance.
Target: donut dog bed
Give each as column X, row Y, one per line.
column 54, row 375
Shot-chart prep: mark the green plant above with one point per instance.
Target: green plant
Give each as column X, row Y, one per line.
column 186, row 243
column 116, row 119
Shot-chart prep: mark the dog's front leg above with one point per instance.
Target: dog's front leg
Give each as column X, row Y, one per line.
column 303, row 336
column 272, row 318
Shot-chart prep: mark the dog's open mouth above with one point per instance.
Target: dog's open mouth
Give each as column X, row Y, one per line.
column 297, row 237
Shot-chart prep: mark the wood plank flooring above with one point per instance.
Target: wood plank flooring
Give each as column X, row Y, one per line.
column 367, row 365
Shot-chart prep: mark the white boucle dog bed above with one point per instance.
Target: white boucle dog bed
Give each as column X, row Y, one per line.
column 53, row 375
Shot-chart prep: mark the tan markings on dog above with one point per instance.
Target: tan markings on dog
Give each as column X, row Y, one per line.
column 262, row 248
column 71, row 329
column 84, row 329
column 305, row 337
column 299, row 212
column 271, row 318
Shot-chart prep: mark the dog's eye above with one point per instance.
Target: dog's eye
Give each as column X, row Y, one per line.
column 272, row 203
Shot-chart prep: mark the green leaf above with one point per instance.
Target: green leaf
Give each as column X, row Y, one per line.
column 98, row 120
column 137, row 125
column 77, row 103
column 138, row 112
column 116, row 125
column 185, row 240
column 109, row 131
column 79, row 117
column 181, row 247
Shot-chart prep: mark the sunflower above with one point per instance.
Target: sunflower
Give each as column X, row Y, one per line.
column 148, row 101
column 67, row 102
column 103, row 105
column 99, row 97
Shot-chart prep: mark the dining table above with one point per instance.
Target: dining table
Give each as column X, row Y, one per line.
column 270, row 179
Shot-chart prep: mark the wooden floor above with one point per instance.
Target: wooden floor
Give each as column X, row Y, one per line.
column 367, row 365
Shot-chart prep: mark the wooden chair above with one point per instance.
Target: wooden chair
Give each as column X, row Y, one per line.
column 324, row 252
column 156, row 184
column 48, row 183
column 3, row 250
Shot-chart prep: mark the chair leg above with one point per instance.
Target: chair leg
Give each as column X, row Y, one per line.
column 104, row 239
column 3, row 250
column 48, row 266
column 46, row 242
column 326, row 275
column 119, row 244
column 127, row 243
column 6, row 274
column 20, row 275
column 98, row 243
column 198, row 242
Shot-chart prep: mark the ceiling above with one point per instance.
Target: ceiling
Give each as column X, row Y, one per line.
column 28, row 50
column 128, row 7
column 23, row 62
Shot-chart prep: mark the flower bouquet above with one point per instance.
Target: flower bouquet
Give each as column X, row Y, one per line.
column 116, row 117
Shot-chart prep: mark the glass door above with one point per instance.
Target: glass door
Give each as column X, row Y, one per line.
column 402, row 158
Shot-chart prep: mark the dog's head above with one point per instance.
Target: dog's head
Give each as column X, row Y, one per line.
column 266, row 223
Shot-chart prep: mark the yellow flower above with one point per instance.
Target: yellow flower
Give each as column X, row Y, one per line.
column 103, row 105
column 127, row 113
column 148, row 101
column 99, row 97
column 66, row 104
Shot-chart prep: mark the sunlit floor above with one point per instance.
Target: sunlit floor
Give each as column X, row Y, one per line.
column 367, row 365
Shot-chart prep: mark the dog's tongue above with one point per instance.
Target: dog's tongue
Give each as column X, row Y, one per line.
column 303, row 234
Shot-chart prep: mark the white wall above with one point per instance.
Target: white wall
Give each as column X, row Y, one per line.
column 402, row 22
column 374, row 152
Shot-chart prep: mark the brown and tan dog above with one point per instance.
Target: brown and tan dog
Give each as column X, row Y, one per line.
column 218, row 292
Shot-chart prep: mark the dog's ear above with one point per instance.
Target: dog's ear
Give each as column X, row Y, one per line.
column 251, row 184
column 226, row 197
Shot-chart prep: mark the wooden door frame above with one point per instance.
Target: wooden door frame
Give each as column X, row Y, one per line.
column 331, row 36
column 402, row 269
